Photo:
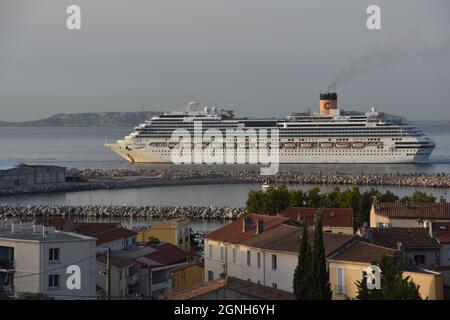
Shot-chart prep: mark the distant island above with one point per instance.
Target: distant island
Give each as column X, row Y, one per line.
column 88, row 119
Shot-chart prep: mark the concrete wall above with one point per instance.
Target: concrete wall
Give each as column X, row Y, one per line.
column 282, row 277
column 187, row 277
column 32, row 266
column 176, row 232
column 27, row 176
column 431, row 283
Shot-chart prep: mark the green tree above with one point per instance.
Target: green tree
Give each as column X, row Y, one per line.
column 388, row 197
column 393, row 285
column 418, row 197
column 303, row 277
column 321, row 285
column 257, row 202
column 277, row 199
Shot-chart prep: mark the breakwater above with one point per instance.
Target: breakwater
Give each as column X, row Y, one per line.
column 429, row 180
column 108, row 211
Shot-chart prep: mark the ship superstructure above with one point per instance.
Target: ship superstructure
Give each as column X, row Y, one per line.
column 329, row 136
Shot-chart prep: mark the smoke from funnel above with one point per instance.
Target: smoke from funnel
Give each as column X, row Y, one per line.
column 388, row 55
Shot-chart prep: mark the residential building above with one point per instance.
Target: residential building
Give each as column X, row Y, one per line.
column 109, row 235
column 15, row 175
column 36, row 259
column 141, row 271
column 187, row 276
column 174, row 231
column 230, row 288
column 261, row 249
column 350, row 264
column 408, row 215
column 335, row 220
column 441, row 231
column 418, row 248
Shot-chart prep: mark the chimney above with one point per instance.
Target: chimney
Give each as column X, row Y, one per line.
column 328, row 102
column 366, row 232
column 246, row 223
column 43, row 231
column 13, row 227
column 260, row 226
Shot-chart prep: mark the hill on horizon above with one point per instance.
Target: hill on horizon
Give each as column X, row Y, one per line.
column 87, row 119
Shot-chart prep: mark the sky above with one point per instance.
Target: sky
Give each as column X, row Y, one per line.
column 258, row 57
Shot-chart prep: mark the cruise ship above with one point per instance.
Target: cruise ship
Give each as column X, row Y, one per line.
column 328, row 136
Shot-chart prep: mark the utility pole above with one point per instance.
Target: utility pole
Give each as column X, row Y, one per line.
column 149, row 281
column 108, row 274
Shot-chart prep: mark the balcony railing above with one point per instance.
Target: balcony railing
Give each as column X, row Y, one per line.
column 7, row 265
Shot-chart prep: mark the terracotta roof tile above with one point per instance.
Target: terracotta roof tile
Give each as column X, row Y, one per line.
column 442, row 232
column 362, row 251
column 232, row 233
column 332, row 217
column 251, row 289
column 408, row 237
column 438, row 210
column 279, row 236
column 167, row 254
column 116, row 261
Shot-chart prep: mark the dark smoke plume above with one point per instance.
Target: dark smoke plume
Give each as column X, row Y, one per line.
column 391, row 54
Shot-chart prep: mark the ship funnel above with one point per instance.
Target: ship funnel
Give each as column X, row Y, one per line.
column 328, row 102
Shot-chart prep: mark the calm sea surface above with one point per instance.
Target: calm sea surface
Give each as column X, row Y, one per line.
column 83, row 148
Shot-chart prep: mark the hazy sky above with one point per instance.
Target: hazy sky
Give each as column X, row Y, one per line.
column 261, row 57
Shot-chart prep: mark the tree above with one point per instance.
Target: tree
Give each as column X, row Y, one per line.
column 257, row 202
column 418, row 197
column 303, row 272
column 277, row 199
column 321, row 287
column 33, row 296
column 393, row 285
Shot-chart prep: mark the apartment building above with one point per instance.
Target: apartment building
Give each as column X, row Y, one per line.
column 408, row 215
column 38, row 259
column 260, row 249
column 350, row 264
column 174, row 231
column 141, row 271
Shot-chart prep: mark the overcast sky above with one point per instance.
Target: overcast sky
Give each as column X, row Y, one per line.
column 261, row 57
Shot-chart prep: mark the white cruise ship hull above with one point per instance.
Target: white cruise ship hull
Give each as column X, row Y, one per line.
column 286, row 156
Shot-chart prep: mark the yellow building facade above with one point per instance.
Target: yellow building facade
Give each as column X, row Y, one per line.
column 175, row 231
column 187, row 276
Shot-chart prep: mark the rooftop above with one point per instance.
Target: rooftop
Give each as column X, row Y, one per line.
column 331, row 217
column 412, row 238
column 442, row 232
column 257, row 291
column 104, row 232
column 435, row 210
column 363, row 252
column 50, row 235
column 280, row 236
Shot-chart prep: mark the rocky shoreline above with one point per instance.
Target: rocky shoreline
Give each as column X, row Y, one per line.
column 431, row 180
column 108, row 211
column 141, row 178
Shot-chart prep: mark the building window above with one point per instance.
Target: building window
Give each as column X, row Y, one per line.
column 448, row 253
column 53, row 281
column 210, row 275
column 222, row 253
column 234, row 255
column 248, row 258
column 419, row 259
column 53, row 255
column 274, row 262
column 258, row 260
column 274, row 285
column 210, row 251
column 340, row 287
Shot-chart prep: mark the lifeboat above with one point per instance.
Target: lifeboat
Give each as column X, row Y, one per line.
column 173, row 144
column 306, row 145
column 158, row 144
column 358, row 145
column 326, row 144
column 290, row 145
column 342, row 145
